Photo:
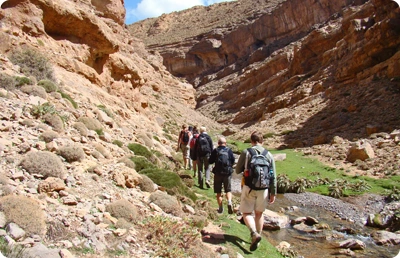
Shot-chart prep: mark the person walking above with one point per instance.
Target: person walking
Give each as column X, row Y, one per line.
column 255, row 196
column 183, row 144
column 192, row 150
column 203, row 146
column 223, row 158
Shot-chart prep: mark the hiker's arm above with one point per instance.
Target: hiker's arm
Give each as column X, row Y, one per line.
column 231, row 157
column 179, row 141
column 241, row 161
column 213, row 155
column 273, row 185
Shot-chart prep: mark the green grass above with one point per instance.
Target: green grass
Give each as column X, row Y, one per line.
column 236, row 235
column 297, row 166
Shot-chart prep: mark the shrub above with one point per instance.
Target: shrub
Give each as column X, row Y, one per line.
column 141, row 163
column 123, row 209
column 20, row 81
column 140, row 150
column 49, row 136
column 48, row 85
column 40, row 110
column 7, row 82
column 147, row 185
column 43, row 163
column 72, row 153
column 25, row 212
column 172, row 238
column 81, row 128
column 33, row 63
column 123, row 223
column 166, row 202
column 100, row 148
column 68, row 97
column 118, row 143
column 34, row 91
column 169, row 180
column 106, row 110
column 54, row 121
column 91, row 123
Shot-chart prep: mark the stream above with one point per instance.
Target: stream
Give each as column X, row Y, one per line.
column 324, row 243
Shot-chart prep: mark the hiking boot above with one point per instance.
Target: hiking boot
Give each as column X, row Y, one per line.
column 220, row 210
column 230, row 210
column 194, row 174
column 208, row 184
column 255, row 240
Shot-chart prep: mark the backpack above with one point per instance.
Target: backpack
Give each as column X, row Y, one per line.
column 193, row 141
column 222, row 164
column 203, row 146
column 185, row 137
column 260, row 171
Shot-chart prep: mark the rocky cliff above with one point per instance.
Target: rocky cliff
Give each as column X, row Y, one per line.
column 316, row 68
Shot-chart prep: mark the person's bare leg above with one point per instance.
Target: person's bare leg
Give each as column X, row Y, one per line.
column 219, row 200
column 229, row 199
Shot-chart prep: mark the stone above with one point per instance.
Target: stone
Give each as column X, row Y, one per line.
column 14, row 231
column 360, row 151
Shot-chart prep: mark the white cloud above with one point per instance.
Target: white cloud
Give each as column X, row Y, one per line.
column 153, row 8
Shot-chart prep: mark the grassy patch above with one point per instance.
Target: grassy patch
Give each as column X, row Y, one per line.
column 169, row 180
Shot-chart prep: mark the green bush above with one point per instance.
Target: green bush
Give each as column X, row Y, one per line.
column 25, row 212
column 141, row 163
column 43, row 163
column 69, row 98
column 42, row 109
column 170, row 180
column 140, row 150
column 123, row 209
column 72, row 153
column 20, row 81
column 118, row 143
column 48, row 85
column 33, row 63
column 106, row 110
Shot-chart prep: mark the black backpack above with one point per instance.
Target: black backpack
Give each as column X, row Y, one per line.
column 222, row 164
column 260, row 171
column 185, row 137
column 203, row 145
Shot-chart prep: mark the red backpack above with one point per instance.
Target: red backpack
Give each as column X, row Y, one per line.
column 193, row 140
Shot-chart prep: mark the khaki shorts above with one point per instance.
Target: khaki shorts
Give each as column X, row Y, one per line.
column 254, row 200
column 185, row 150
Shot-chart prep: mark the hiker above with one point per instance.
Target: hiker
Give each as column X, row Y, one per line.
column 255, row 198
column 183, row 144
column 192, row 154
column 203, row 147
column 190, row 129
column 223, row 158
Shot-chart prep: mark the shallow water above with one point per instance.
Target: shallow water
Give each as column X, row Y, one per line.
column 311, row 245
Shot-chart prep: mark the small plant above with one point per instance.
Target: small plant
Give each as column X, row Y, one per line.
column 337, row 188
column 48, row 85
column 40, row 110
column 171, row 238
column 140, row 150
column 72, row 153
column 22, row 81
column 11, row 251
column 141, row 163
column 123, row 209
column 99, row 131
column 7, row 82
column 91, row 123
column 286, row 132
column 33, row 63
column 43, row 163
column 268, row 135
column 283, row 183
column 393, row 195
column 118, row 143
column 69, row 98
column 106, row 110
column 25, row 212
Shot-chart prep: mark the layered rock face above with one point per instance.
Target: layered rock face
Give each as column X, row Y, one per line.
column 318, row 63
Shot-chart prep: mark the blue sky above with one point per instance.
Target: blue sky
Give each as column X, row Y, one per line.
column 137, row 10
